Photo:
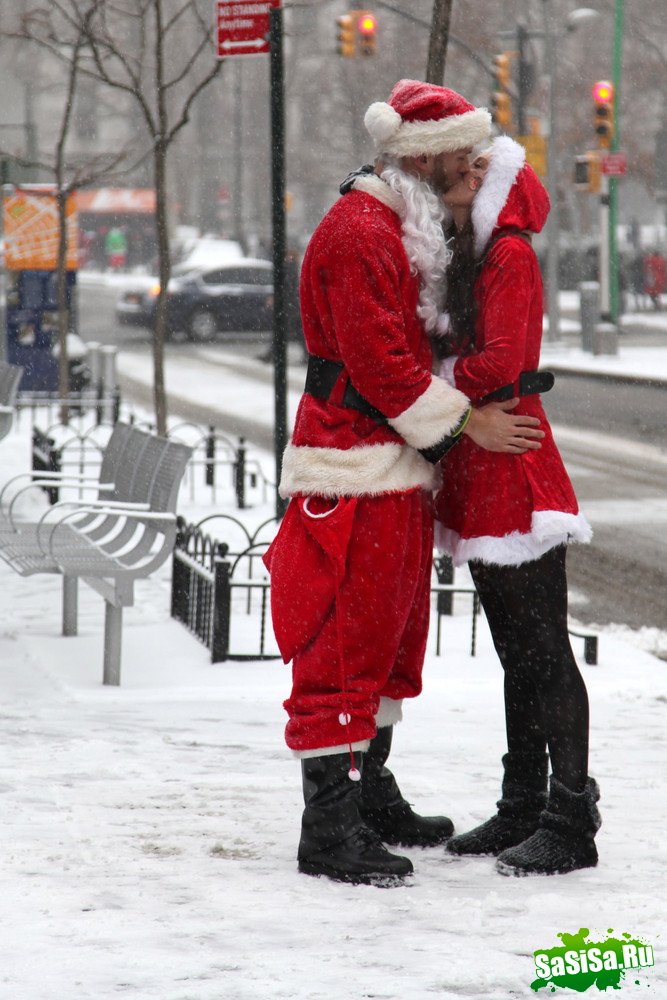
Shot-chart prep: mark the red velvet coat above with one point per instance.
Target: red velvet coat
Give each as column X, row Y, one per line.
column 358, row 305
column 501, row 508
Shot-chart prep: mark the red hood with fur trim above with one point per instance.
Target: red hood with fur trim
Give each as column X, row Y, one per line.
column 511, row 195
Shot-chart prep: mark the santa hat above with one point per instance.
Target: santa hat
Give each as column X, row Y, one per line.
column 512, row 195
column 421, row 118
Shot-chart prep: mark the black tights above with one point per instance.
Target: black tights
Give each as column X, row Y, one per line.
column 546, row 703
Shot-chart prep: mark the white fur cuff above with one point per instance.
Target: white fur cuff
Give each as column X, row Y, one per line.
column 390, row 712
column 361, row 745
column 432, row 416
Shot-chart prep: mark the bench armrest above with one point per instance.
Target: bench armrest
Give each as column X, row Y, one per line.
column 6, row 409
column 51, row 477
column 41, row 483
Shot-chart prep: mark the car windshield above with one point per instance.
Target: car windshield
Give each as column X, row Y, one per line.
column 239, row 276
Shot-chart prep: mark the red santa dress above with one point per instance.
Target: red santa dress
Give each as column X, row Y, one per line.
column 501, row 508
column 350, row 566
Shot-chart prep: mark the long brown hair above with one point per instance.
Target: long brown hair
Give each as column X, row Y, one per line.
column 460, row 302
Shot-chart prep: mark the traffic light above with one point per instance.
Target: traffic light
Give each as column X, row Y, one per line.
column 501, row 102
column 603, row 96
column 366, row 27
column 587, row 172
column 347, row 36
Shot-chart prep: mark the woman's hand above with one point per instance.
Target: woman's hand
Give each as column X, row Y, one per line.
column 493, row 427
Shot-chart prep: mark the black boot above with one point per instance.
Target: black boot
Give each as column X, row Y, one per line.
column 524, row 796
column 384, row 809
column 334, row 839
column 564, row 841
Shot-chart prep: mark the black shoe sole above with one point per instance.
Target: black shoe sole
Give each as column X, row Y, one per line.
column 504, row 869
column 407, row 842
column 382, row 880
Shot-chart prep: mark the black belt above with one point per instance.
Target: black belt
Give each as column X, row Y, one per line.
column 527, row 384
column 323, row 374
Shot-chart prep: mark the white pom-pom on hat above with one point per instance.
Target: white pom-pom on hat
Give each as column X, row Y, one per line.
column 382, row 121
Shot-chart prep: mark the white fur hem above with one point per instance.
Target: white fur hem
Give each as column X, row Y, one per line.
column 375, row 186
column 369, row 470
column 390, row 711
column 432, row 416
column 433, row 137
column 361, row 745
column 507, row 159
column 549, row 529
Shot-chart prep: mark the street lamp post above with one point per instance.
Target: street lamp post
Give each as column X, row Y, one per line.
column 553, row 222
column 574, row 19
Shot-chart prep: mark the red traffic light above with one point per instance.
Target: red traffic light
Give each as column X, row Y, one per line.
column 603, row 92
column 367, row 24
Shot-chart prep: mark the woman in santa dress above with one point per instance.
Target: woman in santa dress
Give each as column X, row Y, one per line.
column 511, row 518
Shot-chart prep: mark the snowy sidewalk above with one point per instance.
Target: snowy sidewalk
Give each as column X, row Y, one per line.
column 149, row 831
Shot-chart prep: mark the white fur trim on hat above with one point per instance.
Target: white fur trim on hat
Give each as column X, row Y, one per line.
column 375, row 186
column 549, row 528
column 432, row 416
column 507, row 158
column 368, row 470
column 382, row 122
column 432, row 137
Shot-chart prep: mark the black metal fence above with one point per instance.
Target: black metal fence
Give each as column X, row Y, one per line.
column 210, row 582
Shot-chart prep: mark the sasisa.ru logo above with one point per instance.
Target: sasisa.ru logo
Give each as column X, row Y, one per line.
column 580, row 963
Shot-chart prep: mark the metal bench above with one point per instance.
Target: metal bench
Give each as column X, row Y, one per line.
column 122, row 536
column 53, row 479
column 10, row 376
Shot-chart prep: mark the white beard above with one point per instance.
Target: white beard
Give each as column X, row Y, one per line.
column 424, row 241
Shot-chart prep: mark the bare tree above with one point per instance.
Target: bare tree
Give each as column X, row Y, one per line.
column 48, row 30
column 437, row 49
column 160, row 54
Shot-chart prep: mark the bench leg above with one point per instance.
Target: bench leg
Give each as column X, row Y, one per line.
column 113, row 626
column 70, row 605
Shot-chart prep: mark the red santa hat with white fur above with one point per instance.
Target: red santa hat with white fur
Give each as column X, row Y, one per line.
column 512, row 195
column 421, row 118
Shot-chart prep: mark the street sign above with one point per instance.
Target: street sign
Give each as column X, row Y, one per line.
column 614, row 164
column 242, row 27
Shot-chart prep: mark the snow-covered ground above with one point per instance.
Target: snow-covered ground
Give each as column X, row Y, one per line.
column 149, row 831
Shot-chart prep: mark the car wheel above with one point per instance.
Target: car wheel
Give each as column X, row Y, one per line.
column 202, row 325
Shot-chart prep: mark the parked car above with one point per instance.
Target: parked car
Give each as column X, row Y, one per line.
column 236, row 295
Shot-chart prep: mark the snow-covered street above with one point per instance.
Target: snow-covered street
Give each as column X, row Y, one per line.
column 150, row 831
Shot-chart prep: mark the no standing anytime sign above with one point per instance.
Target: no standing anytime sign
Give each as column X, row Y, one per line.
column 242, row 26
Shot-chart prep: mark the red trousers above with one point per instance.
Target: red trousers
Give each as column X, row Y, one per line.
column 350, row 601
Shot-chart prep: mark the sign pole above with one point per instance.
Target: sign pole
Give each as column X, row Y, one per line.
column 613, row 182
column 279, row 245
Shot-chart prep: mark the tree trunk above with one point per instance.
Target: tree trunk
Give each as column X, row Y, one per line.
column 63, row 311
column 164, row 270
column 437, row 49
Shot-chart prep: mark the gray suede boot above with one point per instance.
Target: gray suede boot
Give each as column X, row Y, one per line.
column 564, row 840
column 524, row 796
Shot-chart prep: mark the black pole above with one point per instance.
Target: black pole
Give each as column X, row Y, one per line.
column 524, row 78
column 279, row 244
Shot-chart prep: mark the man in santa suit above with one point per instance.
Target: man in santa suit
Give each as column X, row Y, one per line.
column 351, row 564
